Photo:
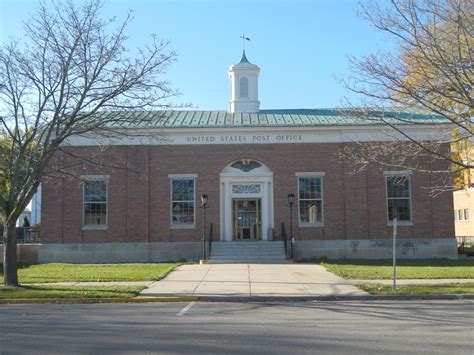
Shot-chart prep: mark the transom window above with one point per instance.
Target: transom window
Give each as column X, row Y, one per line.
column 246, row 189
column 182, row 202
column 398, row 197
column 310, row 199
column 95, row 202
column 244, row 87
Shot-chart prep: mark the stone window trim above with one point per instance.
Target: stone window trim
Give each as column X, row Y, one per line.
column 172, row 178
column 400, row 174
column 86, row 178
column 319, row 175
column 310, row 174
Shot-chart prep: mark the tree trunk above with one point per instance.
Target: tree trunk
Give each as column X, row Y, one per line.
column 10, row 275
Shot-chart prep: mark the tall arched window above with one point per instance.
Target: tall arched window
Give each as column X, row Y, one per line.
column 244, row 87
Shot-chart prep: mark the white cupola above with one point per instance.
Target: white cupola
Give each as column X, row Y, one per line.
column 244, row 86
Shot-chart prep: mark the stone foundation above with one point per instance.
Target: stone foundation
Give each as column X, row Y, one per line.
column 119, row 252
column 25, row 253
column 191, row 251
column 376, row 249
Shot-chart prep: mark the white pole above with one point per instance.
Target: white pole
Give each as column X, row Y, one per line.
column 394, row 253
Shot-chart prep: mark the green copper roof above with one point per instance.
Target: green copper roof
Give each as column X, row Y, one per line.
column 244, row 59
column 268, row 118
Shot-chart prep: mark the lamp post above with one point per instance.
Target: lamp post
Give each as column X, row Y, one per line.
column 291, row 201
column 204, row 199
column 394, row 249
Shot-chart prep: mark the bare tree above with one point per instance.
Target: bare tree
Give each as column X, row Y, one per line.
column 430, row 71
column 70, row 67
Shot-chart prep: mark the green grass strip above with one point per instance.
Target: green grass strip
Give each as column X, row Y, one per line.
column 433, row 289
column 70, row 292
column 406, row 269
column 62, row 272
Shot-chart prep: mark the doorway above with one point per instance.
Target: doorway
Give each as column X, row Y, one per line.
column 247, row 223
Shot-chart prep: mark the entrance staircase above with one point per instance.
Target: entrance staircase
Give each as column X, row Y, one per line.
column 252, row 252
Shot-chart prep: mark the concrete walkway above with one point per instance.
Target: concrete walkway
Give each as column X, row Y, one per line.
column 242, row 280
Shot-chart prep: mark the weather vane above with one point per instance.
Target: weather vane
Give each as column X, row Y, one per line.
column 243, row 40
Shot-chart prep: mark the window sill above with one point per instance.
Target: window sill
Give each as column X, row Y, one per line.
column 94, row 227
column 311, row 225
column 401, row 224
column 183, row 226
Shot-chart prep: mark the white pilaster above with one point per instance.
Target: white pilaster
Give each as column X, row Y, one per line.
column 221, row 210
column 265, row 211
column 227, row 211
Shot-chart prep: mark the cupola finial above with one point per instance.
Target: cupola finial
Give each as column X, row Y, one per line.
column 243, row 41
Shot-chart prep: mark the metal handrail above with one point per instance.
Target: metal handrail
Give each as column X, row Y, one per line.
column 211, row 238
column 284, row 238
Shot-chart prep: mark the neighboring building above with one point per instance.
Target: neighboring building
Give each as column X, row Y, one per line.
column 463, row 207
column 464, row 200
column 246, row 161
column 33, row 211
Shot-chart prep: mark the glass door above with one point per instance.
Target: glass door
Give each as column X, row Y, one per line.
column 246, row 219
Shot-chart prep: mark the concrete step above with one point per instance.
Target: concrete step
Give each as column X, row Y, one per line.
column 247, row 255
column 232, row 261
column 248, row 252
column 247, row 247
column 244, row 256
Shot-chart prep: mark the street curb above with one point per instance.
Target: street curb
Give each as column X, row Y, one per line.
column 138, row 299
column 265, row 299
column 243, row 299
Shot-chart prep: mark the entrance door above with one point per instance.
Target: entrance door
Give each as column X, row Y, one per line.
column 246, row 219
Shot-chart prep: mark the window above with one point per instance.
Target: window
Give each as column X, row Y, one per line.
column 398, row 198
column 182, row 202
column 244, row 87
column 95, row 202
column 310, row 200
column 460, row 215
column 466, row 214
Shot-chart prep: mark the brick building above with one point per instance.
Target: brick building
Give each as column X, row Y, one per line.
column 247, row 162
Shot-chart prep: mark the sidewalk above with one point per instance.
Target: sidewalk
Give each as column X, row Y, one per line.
column 244, row 280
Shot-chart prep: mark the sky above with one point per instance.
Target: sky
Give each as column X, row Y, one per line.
column 301, row 46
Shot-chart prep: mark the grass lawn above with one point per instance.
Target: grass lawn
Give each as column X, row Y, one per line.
column 406, row 269
column 59, row 272
column 453, row 288
column 70, row 292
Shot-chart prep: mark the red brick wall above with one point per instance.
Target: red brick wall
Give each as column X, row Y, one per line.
column 139, row 194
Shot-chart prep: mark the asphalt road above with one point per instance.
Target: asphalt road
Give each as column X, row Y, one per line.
column 434, row 327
